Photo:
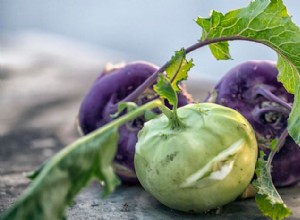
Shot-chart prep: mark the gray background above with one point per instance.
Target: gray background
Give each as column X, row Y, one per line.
column 137, row 30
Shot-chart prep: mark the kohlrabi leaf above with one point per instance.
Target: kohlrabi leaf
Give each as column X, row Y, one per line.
column 294, row 118
column 267, row 198
column 33, row 174
column 220, row 50
column 165, row 90
column 178, row 68
column 56, row 182
column 62, row 177
column 263, row 21
column 273, row 144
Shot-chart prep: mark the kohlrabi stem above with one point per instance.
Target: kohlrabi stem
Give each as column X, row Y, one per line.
column 133, row 114
column 174, row 120
column 269, row 95
column 117, row 122
column 63, row 165
column 139, row 90
column 259, row 112
column 278, row 147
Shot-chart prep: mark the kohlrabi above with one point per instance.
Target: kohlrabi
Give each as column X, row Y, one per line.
column 252, row 89
column 195, row 157
column 203, row 161
column 100, row 105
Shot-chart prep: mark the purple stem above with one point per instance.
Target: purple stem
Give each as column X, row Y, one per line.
column 196, row 46
column 258, row 112
column 269, row 95
column 139, row 90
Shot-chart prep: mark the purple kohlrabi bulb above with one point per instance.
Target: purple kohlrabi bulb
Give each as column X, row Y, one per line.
column 245, row 88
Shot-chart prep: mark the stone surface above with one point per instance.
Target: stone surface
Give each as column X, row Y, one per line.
column 40, row 92
column 132, row 203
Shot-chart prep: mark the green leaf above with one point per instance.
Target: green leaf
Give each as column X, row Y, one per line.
column 55, row 186
column 267, row 198
column 165, row 90
column 57, row 181
column 33, row 174
column 178, row 68
column 275, row 211
column 294, row 118
column 273, row 144
column 263, row 21
column 266, row 22
column 220, row 51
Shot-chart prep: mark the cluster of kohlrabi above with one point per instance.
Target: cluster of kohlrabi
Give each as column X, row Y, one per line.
column 100, row 105
column 199, row 156
column 251, row 88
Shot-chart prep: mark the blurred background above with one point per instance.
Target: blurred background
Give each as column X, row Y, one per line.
column 52, row 51
column 122, row 30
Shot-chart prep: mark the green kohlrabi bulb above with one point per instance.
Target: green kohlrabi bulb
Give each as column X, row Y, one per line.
column 202, row 165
